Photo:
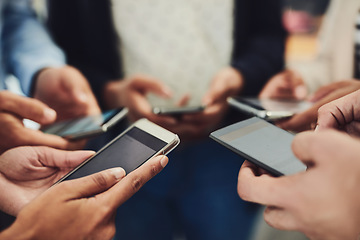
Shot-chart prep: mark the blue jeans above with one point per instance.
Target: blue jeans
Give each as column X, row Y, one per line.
column 195, row 196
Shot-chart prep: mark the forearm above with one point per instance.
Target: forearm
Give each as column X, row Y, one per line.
column 27, row 46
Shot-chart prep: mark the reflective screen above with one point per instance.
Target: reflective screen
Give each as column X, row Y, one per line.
column 129, row 152
column 261, row 142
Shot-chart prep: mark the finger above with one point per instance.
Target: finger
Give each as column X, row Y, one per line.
column 129, row 185
column 37, row 138
column 26, row 108
column 339, row 112
column 93, row 184
column 317, row 148
column 141, row 108
column 264, row 189
column 148, row 84
column 184, row 100
column 280, row 218
column 62, row 159
column 301, row 121
column 326, row 90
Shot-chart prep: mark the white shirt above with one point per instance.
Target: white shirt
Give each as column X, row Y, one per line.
column 183, row 43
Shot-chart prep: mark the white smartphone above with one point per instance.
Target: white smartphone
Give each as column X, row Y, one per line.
column 87, row 126
column 177, row 111
column 261, row 143
column 137, row 144
column 269, row 109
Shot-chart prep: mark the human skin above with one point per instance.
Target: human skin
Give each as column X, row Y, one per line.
column 13, row 110
column 307, row 119
column 83, row 208
column 26, row 172
column 341, row 114
column 287, row 85
column 132, row 92
column 67, row 91
column 322, row 202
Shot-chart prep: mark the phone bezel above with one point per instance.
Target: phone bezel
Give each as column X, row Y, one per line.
column 145, row 125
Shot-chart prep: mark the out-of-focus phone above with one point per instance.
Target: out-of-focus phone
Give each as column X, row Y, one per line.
column 140, row 142
column 87, row 126
column 269, row 109
column 176, row 111
column 263, row 144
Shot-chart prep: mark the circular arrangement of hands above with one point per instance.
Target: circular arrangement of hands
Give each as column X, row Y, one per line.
column 26, row 172
column 326, row 191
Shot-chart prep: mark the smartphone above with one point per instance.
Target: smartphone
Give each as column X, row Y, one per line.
column 176, row 111
column 263, row 144
column 140, row 142
column 269, row 109
column 87, row 126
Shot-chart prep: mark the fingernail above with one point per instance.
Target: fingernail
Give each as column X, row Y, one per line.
column 82, row 97
column 164, row 161
column 167, row 92
column 49, row 114
column 118, row 173
column 316, row 128
column 300, row 92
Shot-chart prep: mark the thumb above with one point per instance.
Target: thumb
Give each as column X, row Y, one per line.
column 94, row 184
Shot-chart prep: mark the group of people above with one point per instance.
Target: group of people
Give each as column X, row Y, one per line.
column 97, row 55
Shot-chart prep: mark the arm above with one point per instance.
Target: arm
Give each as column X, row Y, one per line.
column 26, row 45
column 259, row 51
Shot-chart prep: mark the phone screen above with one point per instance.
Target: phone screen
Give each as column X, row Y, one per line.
column 129, row 152
column 290, row 105
column 178, row 110
column 263, row 144
column 80, row 125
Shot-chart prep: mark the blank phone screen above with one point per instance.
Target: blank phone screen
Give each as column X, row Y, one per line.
column 263, row 144
column 129, row 152
column 85, row 124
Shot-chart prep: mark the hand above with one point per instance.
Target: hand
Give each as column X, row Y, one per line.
column 227, row 82
column 322, row 202
column 342, row 114
column 307, row 119
column 83, row 208
column 287, row 84
column 67, row 91
column 26, row 172
column 131, row 93
column 13, row 109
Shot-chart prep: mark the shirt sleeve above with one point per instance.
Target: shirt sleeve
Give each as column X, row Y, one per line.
column 26, row 44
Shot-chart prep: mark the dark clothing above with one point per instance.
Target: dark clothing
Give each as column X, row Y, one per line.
column 84, row 29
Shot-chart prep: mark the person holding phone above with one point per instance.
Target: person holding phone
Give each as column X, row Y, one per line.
column 75, row 209
column 28, row 53
column 322, row 202
column 235, row 48
column 330, row 75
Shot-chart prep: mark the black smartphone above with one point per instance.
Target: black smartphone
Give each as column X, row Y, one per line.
column 261, row 143
column 140, row 142
column 177, row 111
column 87, row 126
column 269, row 109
